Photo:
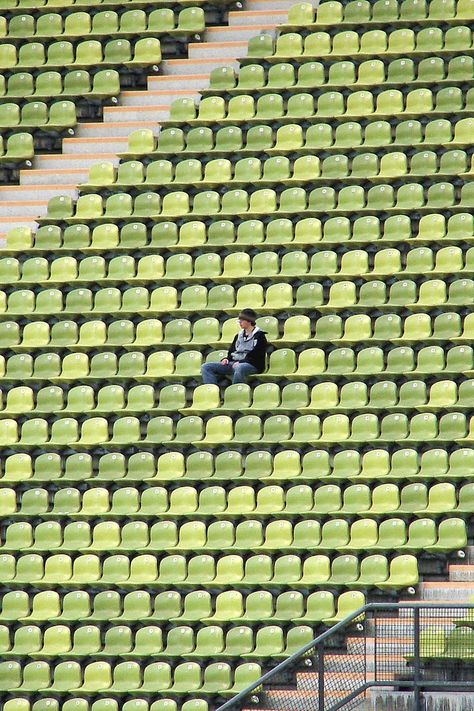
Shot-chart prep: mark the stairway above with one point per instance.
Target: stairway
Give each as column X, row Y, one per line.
column 344, row 671
column 95, row 141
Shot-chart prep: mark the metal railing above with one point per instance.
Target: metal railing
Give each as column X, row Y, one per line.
column 411, row 647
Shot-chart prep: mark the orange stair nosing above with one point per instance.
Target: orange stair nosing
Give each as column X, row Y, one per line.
column 448, row 584
column 72, row 156
column 55, row 171
column 146, row 107
column 362, row 657
column 312, row 693
column 403, row 620
column 101, row 139
column 151, row 92
column 28, row 218
column 20, row 188
column 209, row 60
column 113, row 123
column 230, row 28
column 167, row 77
column 211, row 45
column 256, row 13
column 381, row 640
column 23, row 202
column 333, row 675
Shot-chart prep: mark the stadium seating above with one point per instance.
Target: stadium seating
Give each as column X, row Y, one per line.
column 451, row 645
column 61, row 63
column 163, row 538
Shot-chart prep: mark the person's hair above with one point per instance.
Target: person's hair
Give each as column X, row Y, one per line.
column 248, row 315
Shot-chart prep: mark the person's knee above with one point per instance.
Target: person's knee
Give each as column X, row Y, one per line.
column 241, row 373
column 210, row 373
column 207, row 370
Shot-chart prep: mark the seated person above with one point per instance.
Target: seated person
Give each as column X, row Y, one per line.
column 246, row 353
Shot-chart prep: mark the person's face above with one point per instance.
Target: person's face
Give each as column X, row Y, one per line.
column 244, row 323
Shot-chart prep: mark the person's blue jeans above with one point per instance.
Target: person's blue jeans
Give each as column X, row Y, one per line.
column 211, row 372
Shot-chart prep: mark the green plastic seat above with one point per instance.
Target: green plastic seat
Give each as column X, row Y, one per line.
column 222, row 78
column 288, row 45
column 459, row 67
column 226, row 139
column 421, row 533
column 357, row 11
column 281, row 76
column 8, row 56
column 260, row 46
column 301, row 14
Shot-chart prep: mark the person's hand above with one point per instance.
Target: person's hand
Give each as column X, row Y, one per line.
column 234, row 365
column 225, row 361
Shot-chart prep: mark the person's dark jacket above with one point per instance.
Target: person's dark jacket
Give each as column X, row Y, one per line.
column 257, row 355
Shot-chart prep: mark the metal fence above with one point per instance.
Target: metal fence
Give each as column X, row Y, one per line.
column 412, row 647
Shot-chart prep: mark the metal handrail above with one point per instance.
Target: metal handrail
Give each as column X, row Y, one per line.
column 369, row 607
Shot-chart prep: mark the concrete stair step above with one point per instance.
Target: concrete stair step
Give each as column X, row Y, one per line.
column 402, row 621
column 111, row 130
column 50, row 176
column 241, row 33
column 20, row 193
column 296, row 695
column 154, row 96
column 451, row 591
column 217, row 50
column 402, row 647
column 269, row 5
column 461, row 573
column 96, row 145
column 408, row 628
column 176, row 67
column 133, row 114
column 356, row 704
column 386, row 700
column 298, row 700
column 8, row 223
column 75, row 161
column 21, row 209
column 386, row 645
column 346, row 681
column 337, row 662
column 175, row 83
column 257, row 17
column 362, row 705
